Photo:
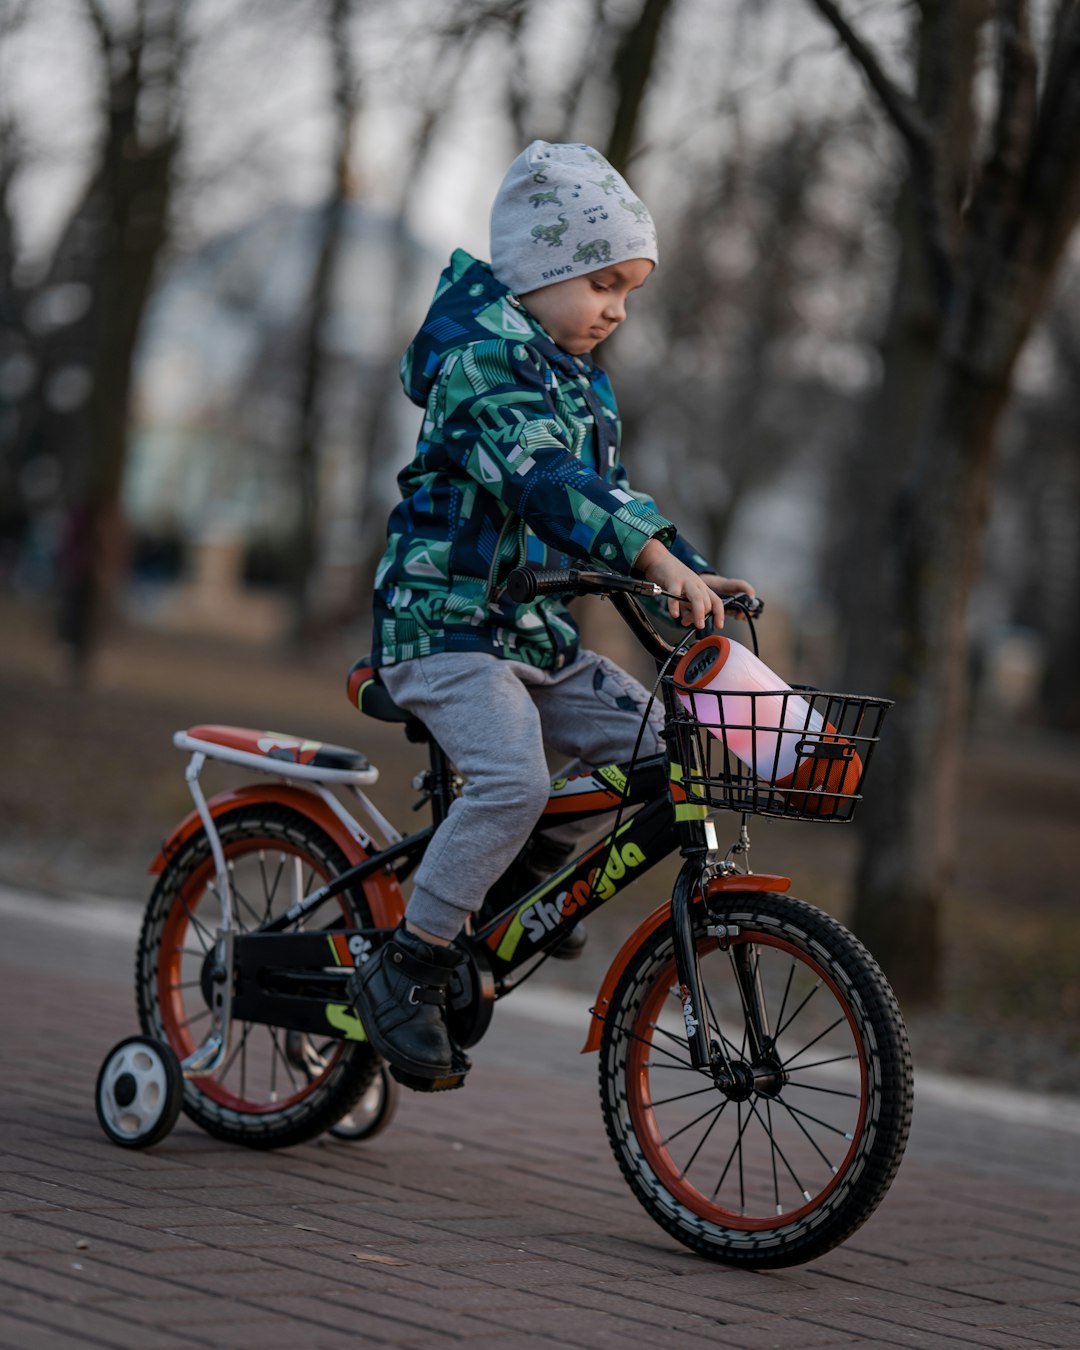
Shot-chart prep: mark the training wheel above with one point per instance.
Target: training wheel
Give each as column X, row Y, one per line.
column 139, row 1092
column 373, row 1112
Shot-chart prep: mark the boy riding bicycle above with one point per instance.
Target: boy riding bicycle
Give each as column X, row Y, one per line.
column 517, row 460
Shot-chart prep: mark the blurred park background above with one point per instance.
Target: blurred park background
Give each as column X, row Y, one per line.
column 853, row 380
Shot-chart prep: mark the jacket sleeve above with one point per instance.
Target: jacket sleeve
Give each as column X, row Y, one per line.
column 500, row 426
column 682, row 548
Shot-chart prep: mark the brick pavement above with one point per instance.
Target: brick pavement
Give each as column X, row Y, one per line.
column 496, row 1213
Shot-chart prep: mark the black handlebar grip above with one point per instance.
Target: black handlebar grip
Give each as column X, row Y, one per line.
column 523, row 585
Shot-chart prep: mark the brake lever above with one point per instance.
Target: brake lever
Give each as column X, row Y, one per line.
column 751, row 605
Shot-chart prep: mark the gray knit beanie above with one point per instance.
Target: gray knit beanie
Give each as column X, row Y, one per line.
column 561, row 211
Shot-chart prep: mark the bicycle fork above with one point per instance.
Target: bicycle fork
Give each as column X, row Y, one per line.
column 687, row 885
column 707, row 1053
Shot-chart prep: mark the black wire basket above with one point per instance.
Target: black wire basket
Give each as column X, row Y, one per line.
column 797, row 754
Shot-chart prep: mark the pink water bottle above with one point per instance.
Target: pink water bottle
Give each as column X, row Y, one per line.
column 767, row 726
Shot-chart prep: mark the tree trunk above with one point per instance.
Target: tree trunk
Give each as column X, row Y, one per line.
column 131, row 204
column 304, row 553
column 990, row 267
column 784, row 179
column 137, row 232
column 631, row 71
column 909, row 815
column 870, row 473
column 1059, row 583
column 1059, row 695
column 14, row 345
column 377, row 431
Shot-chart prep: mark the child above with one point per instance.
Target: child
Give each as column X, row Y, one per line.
column 518, row 460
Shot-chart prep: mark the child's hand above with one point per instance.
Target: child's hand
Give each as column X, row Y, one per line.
column 728, row 586
column 699, row 596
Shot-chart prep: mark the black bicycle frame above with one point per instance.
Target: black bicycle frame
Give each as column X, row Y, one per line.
column 297, row 979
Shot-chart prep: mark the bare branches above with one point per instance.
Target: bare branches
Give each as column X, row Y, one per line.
column 586, row 66
column 1064, row 10
column 516, row 101
column 100, row 24
column 13, row 14
column 343, row 93
column 924, row 154
column 1052, row 182
column 442, row 78
column 900, row 107
column 528, row 115
column 1015, row 120
column 631, row 71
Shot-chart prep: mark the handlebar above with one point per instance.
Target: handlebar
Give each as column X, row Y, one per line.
column 523, row 585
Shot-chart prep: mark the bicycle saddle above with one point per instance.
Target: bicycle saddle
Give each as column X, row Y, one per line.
column 368, row 693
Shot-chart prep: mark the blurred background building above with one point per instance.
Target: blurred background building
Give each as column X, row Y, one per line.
column 210, row 491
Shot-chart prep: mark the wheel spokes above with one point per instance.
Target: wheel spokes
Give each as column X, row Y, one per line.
column 264, row 879
column 768, row 1158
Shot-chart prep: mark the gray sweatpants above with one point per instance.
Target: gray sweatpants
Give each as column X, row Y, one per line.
column 494, row 718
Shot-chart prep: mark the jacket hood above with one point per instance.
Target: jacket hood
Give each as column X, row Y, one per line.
column 469, row 306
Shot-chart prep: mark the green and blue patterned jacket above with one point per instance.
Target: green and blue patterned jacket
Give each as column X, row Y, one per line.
column 517, row 461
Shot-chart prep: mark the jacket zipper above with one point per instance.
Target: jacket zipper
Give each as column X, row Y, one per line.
column 511, row 520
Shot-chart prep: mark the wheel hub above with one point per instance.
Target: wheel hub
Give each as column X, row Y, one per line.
column 139, row 1092
column 736, row 1081
column 124, row 1089
column 739, row 1080
column 769, row 1077
column 213, row 974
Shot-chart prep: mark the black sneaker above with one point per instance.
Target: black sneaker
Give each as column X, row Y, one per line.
column 400, row 996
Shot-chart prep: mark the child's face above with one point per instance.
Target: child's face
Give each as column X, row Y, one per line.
column 581, row 312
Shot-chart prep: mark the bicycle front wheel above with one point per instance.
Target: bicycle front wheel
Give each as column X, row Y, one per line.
column 791, row 1144
column 275, row 1087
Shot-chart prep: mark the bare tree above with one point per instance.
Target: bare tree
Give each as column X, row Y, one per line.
column 1056, row 523
column 723, row 400
column 112, row 242
column 18, row 368
column 632, row 70
column 345, row 88
column 453, row 48
column 985, row 222
column 13, row 346
column 620, row 60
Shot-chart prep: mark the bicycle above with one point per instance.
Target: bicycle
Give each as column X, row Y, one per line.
column 755, row 1076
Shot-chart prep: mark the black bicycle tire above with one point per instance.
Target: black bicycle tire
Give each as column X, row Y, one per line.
column 879, row 1150
column 357, row 1064
column 171, row 1102
column 381, row 1120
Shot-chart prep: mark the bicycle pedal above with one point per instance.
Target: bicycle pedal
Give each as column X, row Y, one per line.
column 454, row 1079
column 418, row 1084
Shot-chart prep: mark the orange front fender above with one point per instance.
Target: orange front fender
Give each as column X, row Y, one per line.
column 740, row 882
column 382, row 892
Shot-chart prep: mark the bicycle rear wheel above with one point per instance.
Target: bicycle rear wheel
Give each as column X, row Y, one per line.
column 274, row 1088
column 799, row 1144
